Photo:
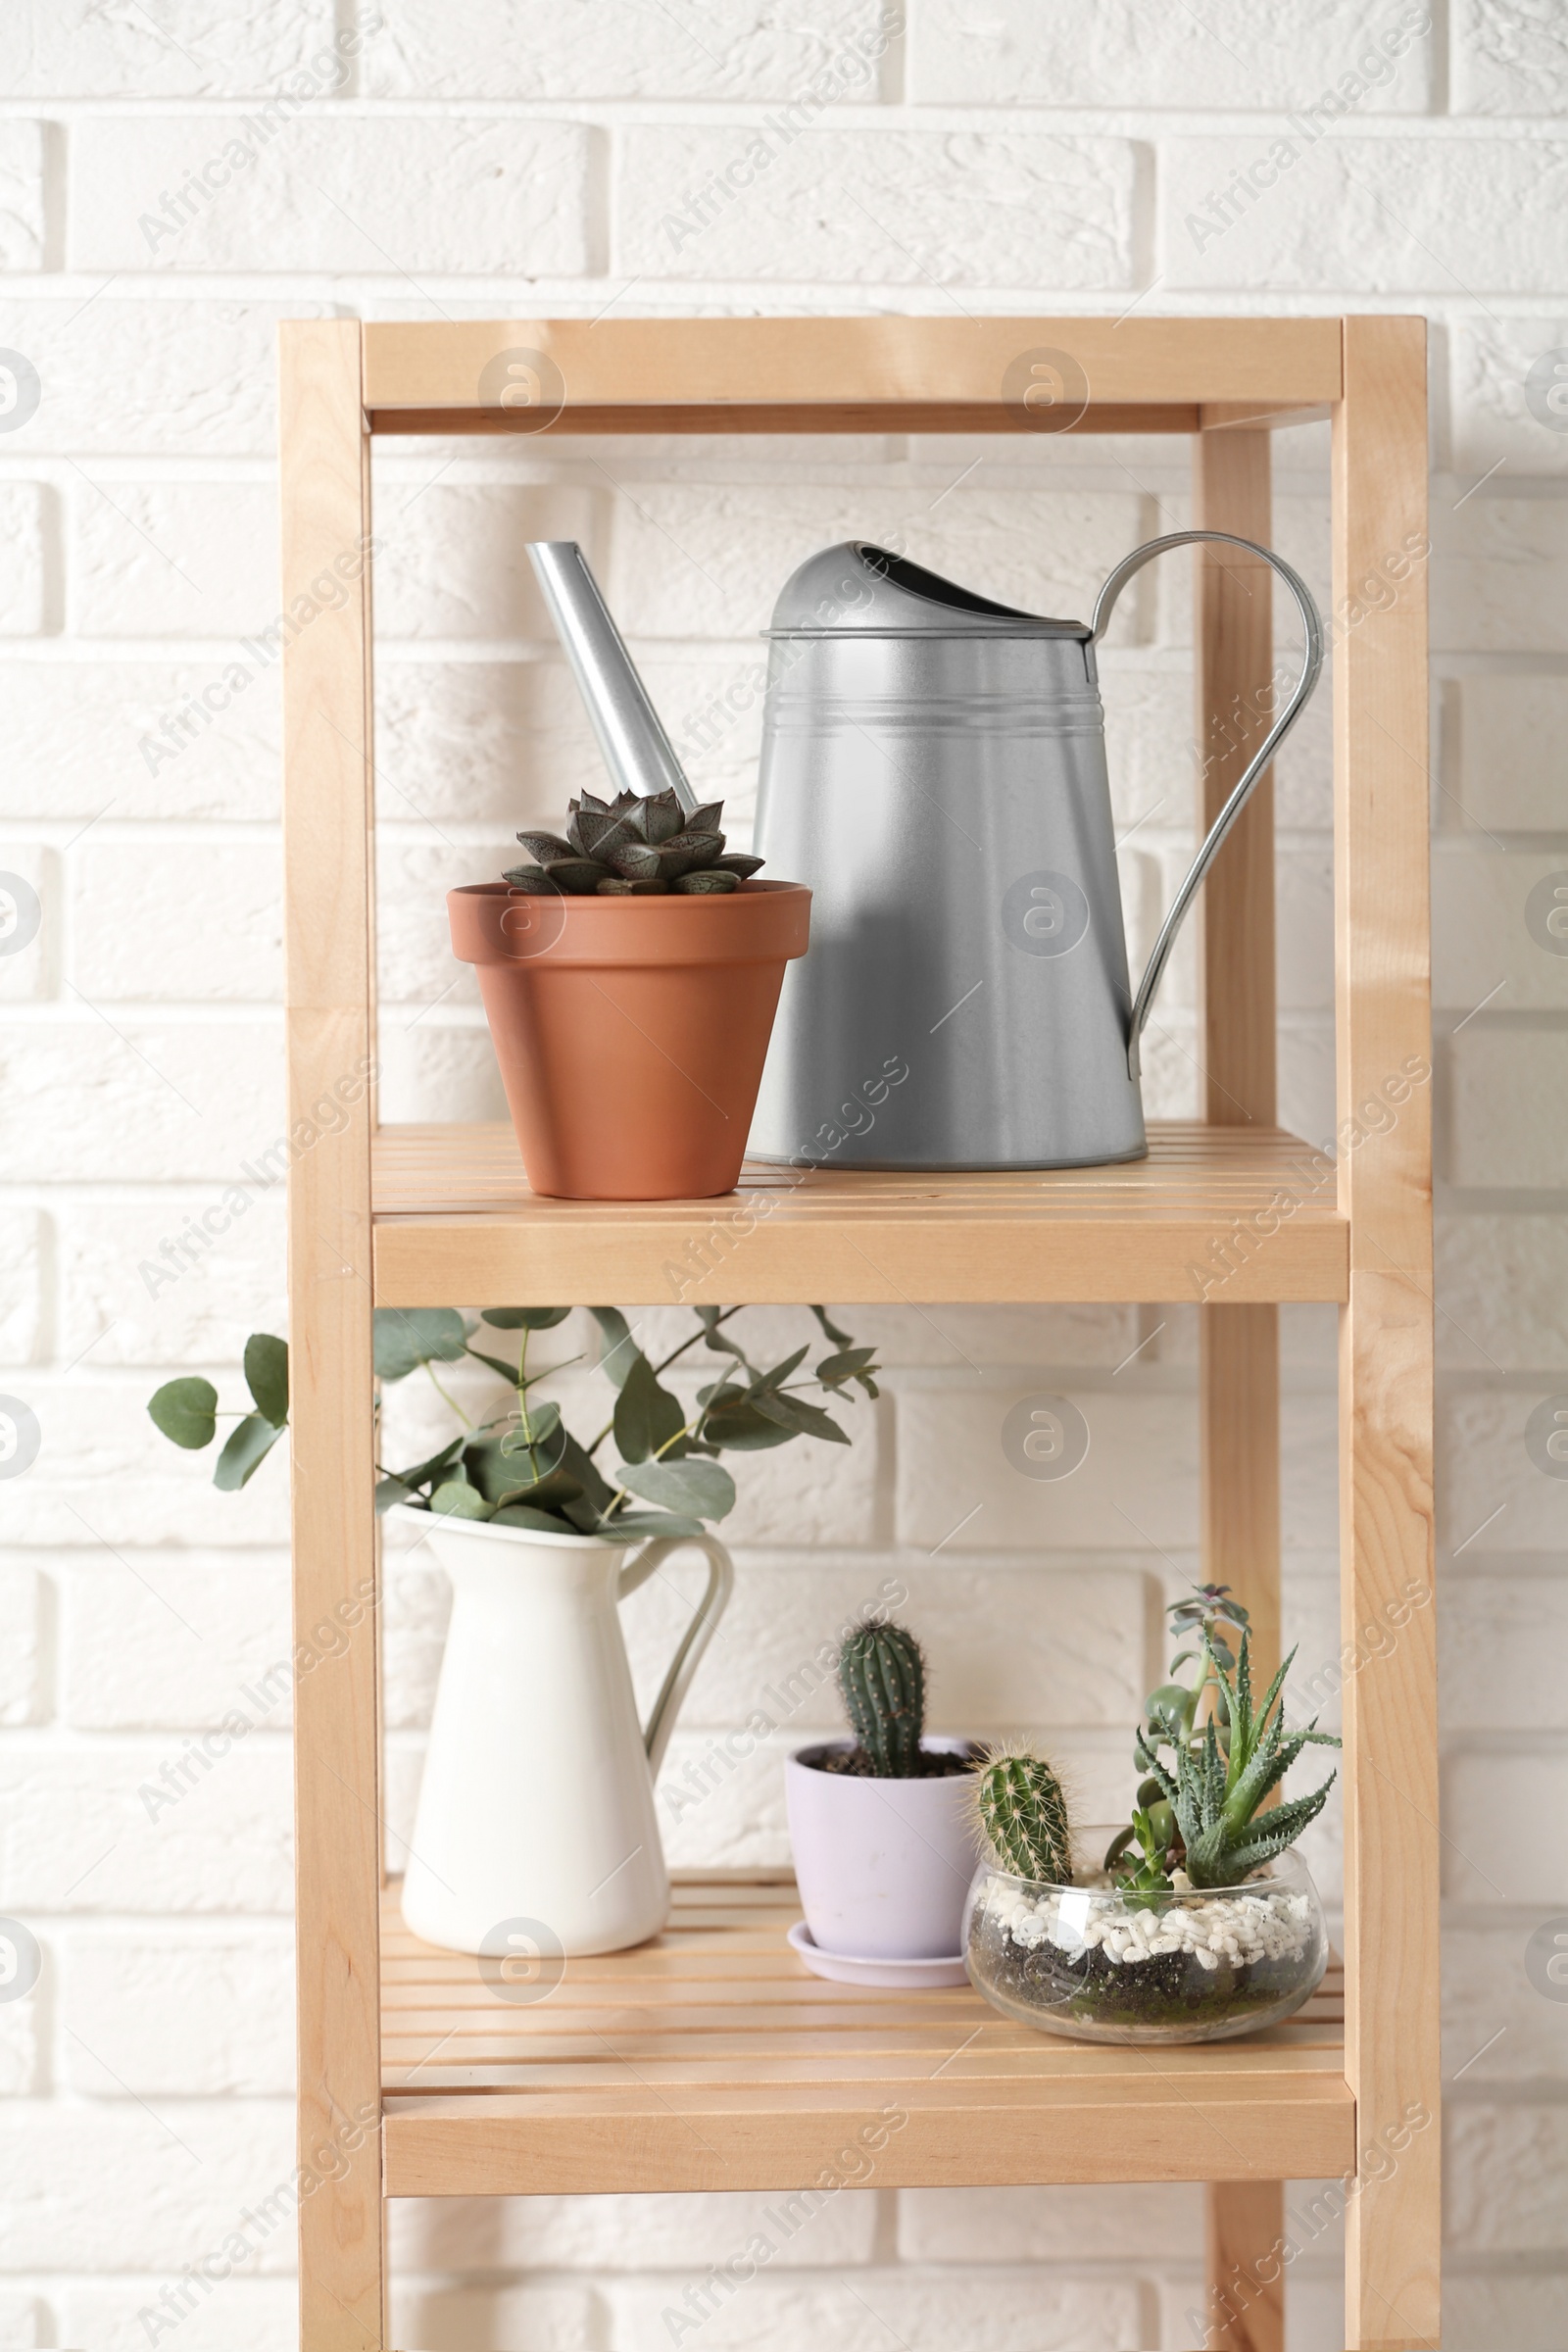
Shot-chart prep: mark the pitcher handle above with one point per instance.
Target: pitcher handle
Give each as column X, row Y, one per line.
column 698, row 1635
column 1311, row 665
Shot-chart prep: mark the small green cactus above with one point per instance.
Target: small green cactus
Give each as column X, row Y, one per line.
column 1024, row 1815
column 882, row 1678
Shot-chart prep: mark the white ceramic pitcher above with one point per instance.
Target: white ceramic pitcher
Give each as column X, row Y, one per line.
column 536, row 1829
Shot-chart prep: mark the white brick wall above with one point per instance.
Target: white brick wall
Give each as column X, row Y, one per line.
column 906, row 207
column 22, row 195
column 461, row 195
column 574, row 49
column 478, row 157
column 24, row 593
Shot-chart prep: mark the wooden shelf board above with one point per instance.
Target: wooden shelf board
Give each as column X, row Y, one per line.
column 842, row 416
column 711, row 2058
column 849, row 374
column 455, row 1222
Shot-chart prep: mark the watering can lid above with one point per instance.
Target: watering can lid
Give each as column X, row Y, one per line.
column 857, row 589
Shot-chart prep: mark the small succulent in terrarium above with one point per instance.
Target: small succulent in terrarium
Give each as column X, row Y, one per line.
column 1197, row 1818
column 1170, row 1719
column 632, row 847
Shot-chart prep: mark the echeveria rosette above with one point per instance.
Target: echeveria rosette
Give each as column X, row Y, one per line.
column 632, row 847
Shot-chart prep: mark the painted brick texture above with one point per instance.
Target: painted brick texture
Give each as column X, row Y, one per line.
column 174, row 182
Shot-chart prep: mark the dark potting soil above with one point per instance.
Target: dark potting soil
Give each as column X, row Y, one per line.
column 1171, row 1989
column 936, row 1764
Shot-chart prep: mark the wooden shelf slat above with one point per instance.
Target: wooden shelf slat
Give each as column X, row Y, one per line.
column 455, row 1222
column 410, row 2042
column 712, row 2058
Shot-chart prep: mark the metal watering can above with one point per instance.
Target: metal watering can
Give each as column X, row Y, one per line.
column 934, row 768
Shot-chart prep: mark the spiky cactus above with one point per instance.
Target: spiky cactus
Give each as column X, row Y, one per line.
column 1213, row 1792
column 882, row 1680
column 1024, row 1815
column 632, row 848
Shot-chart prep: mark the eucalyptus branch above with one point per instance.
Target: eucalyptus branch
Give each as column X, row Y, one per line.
column 623, row 1494
column 723, row 1316
column 483, row 1471
column 523, row 1398
column 664, row 1363
column 509, row 1412
column 450, row 1403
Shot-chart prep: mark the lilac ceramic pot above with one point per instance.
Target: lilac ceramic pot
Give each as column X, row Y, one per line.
column 883, row 1866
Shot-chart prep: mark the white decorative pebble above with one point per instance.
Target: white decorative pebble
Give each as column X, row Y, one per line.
column 1240, row 1928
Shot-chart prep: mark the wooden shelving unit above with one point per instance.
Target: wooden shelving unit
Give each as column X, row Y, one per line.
column 709, row 2058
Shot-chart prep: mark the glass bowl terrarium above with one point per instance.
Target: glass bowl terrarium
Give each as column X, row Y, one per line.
column 1100, row 1962
column 1195, row 1921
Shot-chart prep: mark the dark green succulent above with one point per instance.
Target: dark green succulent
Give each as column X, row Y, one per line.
column 632, row 847
column 1171, row 1712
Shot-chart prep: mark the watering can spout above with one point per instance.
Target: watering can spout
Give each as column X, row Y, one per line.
column 637, row 751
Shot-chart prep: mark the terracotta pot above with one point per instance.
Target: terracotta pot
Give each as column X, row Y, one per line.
column 631, row 1031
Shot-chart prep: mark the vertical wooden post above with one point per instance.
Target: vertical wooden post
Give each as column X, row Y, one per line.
column 325, row 466
column 1386, row 1535
column 1239, row 1345
column 1245, row 2222
column 1234, row 625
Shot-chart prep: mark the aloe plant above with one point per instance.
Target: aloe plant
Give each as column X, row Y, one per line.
column 1024, row 1815
column 882, row 1681
column 632, row 847
column 517, row 1464
column 1204, row 1805
column 1170, row 1719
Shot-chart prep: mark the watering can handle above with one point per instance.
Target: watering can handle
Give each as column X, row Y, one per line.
column 698, row 1635
column 1312, row 663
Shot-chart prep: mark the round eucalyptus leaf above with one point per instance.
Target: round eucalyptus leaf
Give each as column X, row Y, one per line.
column 266, row 1376
column 186, row 1410
column 456, row 1500
column 407, row 1336
column 248, row 1444
column 705, row 1489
